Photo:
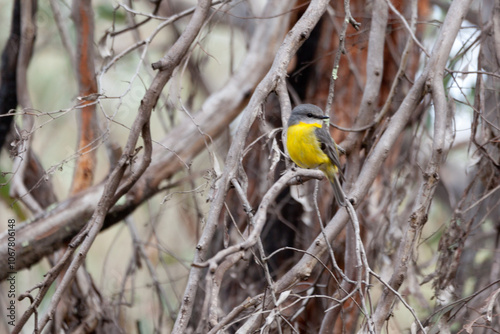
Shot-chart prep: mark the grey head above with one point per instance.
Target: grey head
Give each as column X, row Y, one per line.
column 306, row 113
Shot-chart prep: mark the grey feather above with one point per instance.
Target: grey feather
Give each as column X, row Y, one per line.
column 300, row 112
column 338, row 192
column 329, row 147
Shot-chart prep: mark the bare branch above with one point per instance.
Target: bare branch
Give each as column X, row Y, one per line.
column 434, row 73
column 375, row 68
column 140, row 127
column 28, row 33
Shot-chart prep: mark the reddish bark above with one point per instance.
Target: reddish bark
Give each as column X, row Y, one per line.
column 87, row 84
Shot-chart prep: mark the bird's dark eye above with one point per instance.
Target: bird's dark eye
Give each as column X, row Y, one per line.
column 310, row 115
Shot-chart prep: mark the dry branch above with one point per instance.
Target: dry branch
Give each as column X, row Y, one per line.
column 433, row 75
column 288, row 48
column 48, row 231
column 19, row 188
column 8, row 86
column 111, row 192
column 374, row 161
column 83, row 17
column 317, row 276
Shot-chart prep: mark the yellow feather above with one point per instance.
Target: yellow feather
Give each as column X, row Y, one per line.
column 305, row 150
column 303, row 147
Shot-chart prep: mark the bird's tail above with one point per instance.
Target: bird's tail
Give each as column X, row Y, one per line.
column 331, row 173
column 337, row 191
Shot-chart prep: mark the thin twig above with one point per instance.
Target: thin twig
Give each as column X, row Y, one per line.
column 28, row 32
column 402, row 65
column 290, row 45
column 260, row 215
column 63, row 32
column 336, row 62
column 409, row 27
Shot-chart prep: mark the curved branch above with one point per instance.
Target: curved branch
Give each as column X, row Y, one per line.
column 294, row 39
column 373, row 163
column 21, row 160
column 49, row 230
column 140, row 127
column 434, row 74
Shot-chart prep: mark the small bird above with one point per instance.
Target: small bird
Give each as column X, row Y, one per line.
column 310, row 145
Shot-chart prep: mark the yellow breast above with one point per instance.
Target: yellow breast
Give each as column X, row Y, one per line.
column 303, row 147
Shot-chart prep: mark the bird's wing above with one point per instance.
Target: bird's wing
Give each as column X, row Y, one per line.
column 328, row 146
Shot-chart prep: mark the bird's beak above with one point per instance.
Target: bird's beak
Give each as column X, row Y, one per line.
column 324, row 117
